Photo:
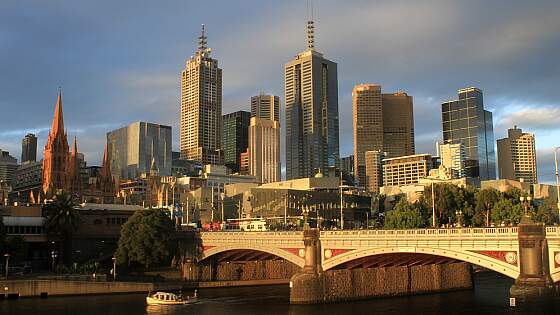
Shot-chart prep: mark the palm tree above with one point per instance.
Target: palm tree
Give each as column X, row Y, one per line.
column 63, row 220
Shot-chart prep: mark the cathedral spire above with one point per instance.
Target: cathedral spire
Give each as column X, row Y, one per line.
column 58, row 120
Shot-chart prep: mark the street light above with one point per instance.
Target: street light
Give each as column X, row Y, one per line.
column 557, row 181
column 7, row 263
column 459, row 215
column 525, row 202
column 114, row 268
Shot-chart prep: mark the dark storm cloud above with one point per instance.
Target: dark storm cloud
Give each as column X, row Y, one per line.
column 119, row 61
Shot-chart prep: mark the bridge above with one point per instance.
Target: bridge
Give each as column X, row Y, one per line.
column 529, row 253
column 496, row 249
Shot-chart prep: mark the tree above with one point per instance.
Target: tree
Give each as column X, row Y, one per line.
column 485, row 201
column 405, row 215
column 147, row 238
column 63, row 220
column 506, row 212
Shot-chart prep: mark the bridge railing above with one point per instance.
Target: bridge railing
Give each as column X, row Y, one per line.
column 428, row 233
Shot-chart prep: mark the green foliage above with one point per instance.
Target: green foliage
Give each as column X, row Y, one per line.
column 486, row 199
column 406, row 215
column 505, row 212
column 62, row 217
column 147, row 238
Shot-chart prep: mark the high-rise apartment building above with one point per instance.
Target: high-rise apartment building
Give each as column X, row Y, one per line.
column 382, row 122
column 465, row 120
column 131, row 150
column 453, row 157
column 29, row 148
column 266, row 107
column 517, row 159
column 311, row 96
column 235, row 135
column 201, row 107
column 264, row 150
column 406, row 170
column 373, row 170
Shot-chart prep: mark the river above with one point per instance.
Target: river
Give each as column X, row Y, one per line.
column 490, row 296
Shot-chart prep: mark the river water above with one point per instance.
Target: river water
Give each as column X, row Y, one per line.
column 490, row 296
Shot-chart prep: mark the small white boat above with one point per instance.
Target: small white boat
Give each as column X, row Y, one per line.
column 166, row 298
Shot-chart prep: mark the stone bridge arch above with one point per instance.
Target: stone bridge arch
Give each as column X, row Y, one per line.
column 509, row 266
column 286, row 254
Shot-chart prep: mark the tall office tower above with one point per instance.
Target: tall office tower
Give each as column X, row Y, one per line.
column 266, row 107
column 368, row 125
column 516, row 156
column 131, row 150
column 465, row 120
column 8, row 166
column 29, row 148
column 373, row 170
column 264, row 150
column 398, row 124
column 311, row 96
column 453, row 157
column 201, row 107
column 347, row 165
column 235, row 135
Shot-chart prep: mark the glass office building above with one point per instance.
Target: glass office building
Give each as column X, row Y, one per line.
column 466, row 121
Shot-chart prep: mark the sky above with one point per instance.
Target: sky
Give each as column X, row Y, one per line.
column 120, row 61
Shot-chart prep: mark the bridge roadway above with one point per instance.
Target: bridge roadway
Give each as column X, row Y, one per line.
column 493, row 248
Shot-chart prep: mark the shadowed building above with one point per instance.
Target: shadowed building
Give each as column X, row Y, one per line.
column 465, row 120
column 517, row 159
column 311, row 96
column 201, row 107
column 235, row 135
column 29, row 148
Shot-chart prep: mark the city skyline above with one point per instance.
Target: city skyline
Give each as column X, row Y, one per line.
column 151, row 86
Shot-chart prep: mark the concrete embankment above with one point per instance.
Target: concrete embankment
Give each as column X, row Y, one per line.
column 344, row 285
column 37, row 288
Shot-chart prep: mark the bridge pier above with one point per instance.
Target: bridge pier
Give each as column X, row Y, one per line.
column 534, row 283
column 308, row 285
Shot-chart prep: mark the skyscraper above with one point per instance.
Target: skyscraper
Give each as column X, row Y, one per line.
column 465, row 120
column 131, row 150
column 29, row 148
column 383, row 123
column 235, row 137
column 398, row 124
column 368, row 126
column 201, row 107
column 264, row 150
column 266, row 107
column 517, row 159
column 311, row 96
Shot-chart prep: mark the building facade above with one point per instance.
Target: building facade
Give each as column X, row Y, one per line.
column 517, row 159
column 465, row 120
column 264, row 150
column 266, row 107
column 235, row 135
column 382, row 122
column 312, row 122
column 29, row 148
column 131, row 149
column 201, row 107
column 453, row 157
column 406, row 170
column 8, row 166
column 374, row 170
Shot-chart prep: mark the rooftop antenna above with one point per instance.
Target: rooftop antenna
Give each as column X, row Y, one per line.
column 310, row 28
column 202, row 41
